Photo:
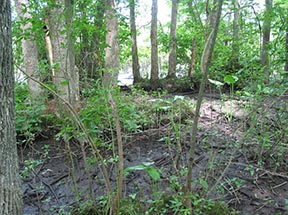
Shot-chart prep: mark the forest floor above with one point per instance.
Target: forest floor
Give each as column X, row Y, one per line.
column 231, row 160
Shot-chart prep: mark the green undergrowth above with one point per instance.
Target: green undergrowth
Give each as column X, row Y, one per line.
column 164, row 205
column 29, row 121
column 137, row 111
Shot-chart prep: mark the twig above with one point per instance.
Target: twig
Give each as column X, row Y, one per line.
column 47, row 185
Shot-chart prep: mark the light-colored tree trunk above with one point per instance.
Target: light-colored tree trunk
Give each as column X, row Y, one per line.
column 29, row 49
column 173, row 31
column 236, row 27
column 10, row 193
column 154, row 46
column 266, row 36
column 112, row 61
column 135, row 59
column 65, row 74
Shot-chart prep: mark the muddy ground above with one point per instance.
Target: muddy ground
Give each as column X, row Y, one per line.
column 225, row 157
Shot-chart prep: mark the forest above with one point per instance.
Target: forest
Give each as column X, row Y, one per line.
column 134, row 107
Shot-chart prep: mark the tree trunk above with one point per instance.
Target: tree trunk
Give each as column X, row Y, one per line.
column 286, row 50
column 112, row 60
column 135, row 59
column 154, row 46
column 98, row 40
column 193, row 57
column 10, row 193
column 65, row 76
column 29, row 49
column 172, row 54
column 236, row 26
column 266, row 36
column 205, row 63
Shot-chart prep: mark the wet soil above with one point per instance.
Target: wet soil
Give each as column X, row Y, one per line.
column 225, row 157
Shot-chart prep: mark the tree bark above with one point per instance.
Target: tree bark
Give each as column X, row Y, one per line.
column 172, row 54
column 154, row 46
column 10, row 193
column 236, row 26
column 266, row 36
column 30, row 50
column 65, row 76
column 135, row 59
column 193, row 57
column 286, row 50
column 112, row 61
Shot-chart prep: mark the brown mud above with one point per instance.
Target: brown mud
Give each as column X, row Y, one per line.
column 224, row 158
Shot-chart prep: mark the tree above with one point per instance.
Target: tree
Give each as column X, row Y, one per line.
column 193, row 57
column 112, row 60
column 195, row 16
column 205, row 63
column 64, row 72
column 286, row 52
column 172, row 54
column 10, row 194
column 29, row 48
column 266, row 36
column 234, row 61
column 154, row 46
column 135, row 59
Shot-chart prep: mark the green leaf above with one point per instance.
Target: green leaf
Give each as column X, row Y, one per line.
column 133, row 168
column 230, row 79
column 153, row 173
column 64, row 83
column 217, row 83
column 204, row 184
column 55, row 65
column 178, row 97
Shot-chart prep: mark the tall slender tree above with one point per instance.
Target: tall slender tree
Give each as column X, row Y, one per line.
column 65, row 74
column 205, row 64
column 135, row 59
column 112, row 60
column 29, row 49
column 236, row 27
column 173, row 32
column 286, row 51
column 154, row 46
column 193, row 57
column 266, row 36
column 10, row 194
column 195, row 16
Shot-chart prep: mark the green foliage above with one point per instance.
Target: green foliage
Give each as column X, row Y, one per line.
column 125, row 42
column 97, row 114
column 166, row 204
column 146, row 166
column 30, row 165
column 28, row 114
column 136, row 112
